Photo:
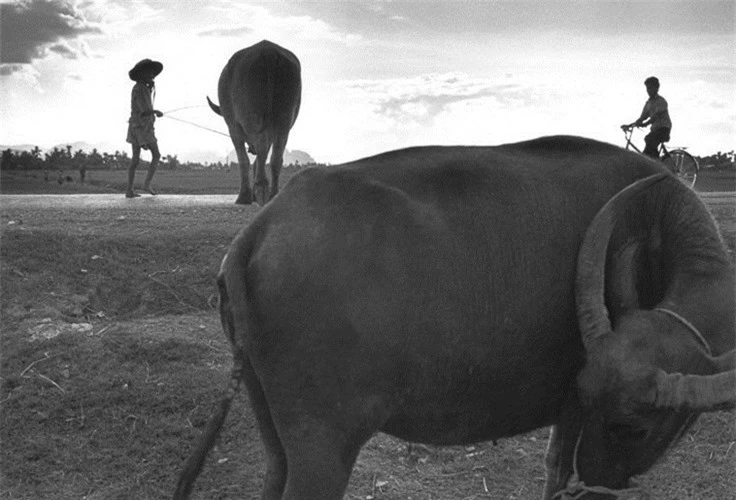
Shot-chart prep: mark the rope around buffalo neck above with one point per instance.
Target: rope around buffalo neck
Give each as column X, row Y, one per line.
column 576, row 488
column 690, row 326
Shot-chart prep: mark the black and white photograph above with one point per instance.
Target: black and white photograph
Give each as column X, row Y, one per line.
column 368, row 249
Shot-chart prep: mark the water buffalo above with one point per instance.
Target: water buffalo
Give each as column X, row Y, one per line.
column 260, row 92
column 450, row 295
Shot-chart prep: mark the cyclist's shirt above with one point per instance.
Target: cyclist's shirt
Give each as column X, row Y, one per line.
column 656, row 109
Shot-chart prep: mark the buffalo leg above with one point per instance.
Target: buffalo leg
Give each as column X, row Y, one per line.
column 245, row 197
column 260, row 183
column 320, row 462
column 277, row 161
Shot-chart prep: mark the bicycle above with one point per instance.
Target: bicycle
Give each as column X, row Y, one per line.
column 681, row 163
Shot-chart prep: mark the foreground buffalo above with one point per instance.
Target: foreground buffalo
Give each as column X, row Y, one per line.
column 450, row 295
column 260, row 91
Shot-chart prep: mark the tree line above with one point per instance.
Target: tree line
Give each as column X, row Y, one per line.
column 719, row 161
column 64, row 159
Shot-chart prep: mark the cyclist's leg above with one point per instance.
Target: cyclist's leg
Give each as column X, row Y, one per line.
column 653, row 139
column 651, row 142
column 665, row 134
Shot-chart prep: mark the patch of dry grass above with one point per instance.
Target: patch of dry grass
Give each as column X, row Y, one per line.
column 112, row 412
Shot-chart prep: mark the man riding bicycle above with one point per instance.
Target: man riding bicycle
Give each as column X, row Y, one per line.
column 655, row 114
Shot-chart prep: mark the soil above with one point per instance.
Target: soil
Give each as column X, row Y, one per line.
column 110, row 411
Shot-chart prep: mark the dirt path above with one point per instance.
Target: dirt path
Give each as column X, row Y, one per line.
column 10, row 201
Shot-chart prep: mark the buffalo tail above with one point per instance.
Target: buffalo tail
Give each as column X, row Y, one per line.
column 214, row 107
column 207, row 440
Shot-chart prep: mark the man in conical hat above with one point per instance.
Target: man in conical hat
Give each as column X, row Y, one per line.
column 140, row 124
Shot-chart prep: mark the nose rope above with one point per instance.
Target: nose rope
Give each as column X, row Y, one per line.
column 690, row 326
column 576, row 488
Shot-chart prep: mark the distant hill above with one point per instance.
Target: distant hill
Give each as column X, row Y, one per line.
column 101, row 147
column 296, row 157
column 291, row 157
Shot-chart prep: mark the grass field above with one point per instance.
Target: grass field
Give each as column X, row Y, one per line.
column 113, row 356
column 182, row 181
column 213, row 181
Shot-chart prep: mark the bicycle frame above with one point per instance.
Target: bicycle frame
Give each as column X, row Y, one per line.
column 629, row 132
column 678, row 161
column 663, row 152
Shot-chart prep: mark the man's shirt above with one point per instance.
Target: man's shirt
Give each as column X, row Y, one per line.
column 656, row 109
column 141, row 100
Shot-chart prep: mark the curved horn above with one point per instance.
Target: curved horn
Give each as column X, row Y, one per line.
column 726, row 362
column 696, row 392
column 590, row 280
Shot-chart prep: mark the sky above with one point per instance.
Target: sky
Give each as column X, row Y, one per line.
column 377, row 75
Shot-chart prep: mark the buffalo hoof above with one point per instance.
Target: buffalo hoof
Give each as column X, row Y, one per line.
column 244, row 199
column 261, row 193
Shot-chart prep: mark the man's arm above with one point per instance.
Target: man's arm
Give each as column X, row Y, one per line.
column 645, row 117
column 642, row 121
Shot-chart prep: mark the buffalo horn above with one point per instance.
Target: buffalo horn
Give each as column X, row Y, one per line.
column 726, row 362
column 590, row 280
column 696, row 392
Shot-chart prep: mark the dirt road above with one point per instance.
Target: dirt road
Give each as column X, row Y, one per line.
column 38, row 201
column 10, row 201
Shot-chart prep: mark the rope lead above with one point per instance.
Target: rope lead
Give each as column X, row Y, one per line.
column 577, row 489
column 196, row 125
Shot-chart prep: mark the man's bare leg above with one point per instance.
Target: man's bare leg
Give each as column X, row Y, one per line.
column 155, row 157
column 130, row 193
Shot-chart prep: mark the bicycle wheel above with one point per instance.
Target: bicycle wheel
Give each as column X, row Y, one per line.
column 683, row 165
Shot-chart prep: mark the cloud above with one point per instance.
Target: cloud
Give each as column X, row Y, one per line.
column 424, row 97
column 9, row 69
column 261, row 20
column 25, row 74
column 32, row 29
column 64, row 49
column 232, row 32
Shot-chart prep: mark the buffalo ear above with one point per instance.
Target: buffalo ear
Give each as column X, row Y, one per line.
column 621, row 280
column 635, row 272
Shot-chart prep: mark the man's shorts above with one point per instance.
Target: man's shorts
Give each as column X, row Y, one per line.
column 141, row 135
column 653, row 139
